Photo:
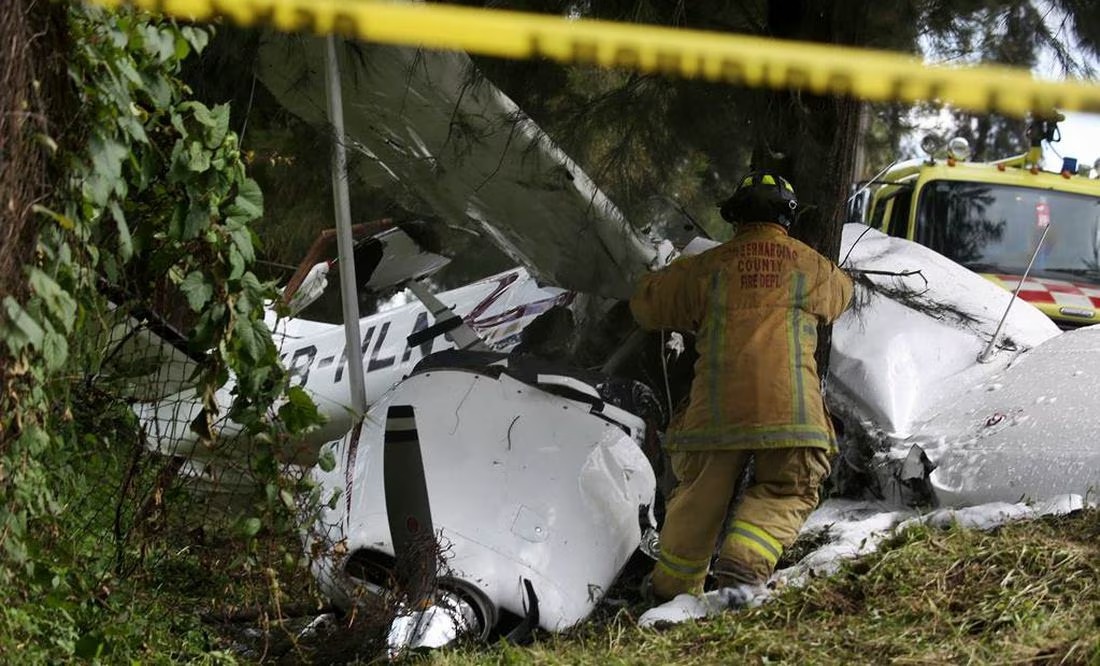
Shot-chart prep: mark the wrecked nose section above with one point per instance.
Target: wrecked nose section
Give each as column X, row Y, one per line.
column 533, row 483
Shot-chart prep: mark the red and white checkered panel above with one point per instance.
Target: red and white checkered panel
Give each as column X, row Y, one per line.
column 1058, row 292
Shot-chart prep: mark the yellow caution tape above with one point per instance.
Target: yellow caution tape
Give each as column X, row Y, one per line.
column 878, row 76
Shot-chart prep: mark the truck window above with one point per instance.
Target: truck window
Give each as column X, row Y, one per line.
column 996, row 228
column 899, row 214
column 877, row 214
column 894, row 221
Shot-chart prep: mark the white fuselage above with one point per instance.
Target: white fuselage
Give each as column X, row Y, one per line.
column 498, row 308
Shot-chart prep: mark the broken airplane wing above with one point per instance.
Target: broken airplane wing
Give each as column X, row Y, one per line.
column 431, row 122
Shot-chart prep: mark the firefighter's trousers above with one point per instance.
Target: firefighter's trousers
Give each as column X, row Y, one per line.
column 766, row 520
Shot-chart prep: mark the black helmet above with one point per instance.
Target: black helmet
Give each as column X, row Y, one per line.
column 762, row 196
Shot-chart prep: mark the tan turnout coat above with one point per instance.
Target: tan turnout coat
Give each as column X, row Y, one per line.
column 754, row 304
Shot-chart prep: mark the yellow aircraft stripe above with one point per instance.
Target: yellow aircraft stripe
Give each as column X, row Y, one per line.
column 879, row 76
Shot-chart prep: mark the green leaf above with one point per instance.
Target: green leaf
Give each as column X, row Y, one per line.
column 97, row 189
column 217, row 132
column 197, row 290
column 327, row 460
column 119, row 38
column 159, row 89
column 198, row 157
column 107, row 157
column 198, row 38
column 161, row 43
column 241, row 236
column 250, row 527
column 198, row 219
column 179, row 124
column 148, row 169
column 126, row 68
column 252, row 293
column 299, row 413
column 91, row 646
column 236, row 263
column 59, row 303
column 110, row 268
column 249, row 202
column 133, row 127
column 125, row 241
column 20, row 328
column 177, row 220
column 250, row 344
column 200, row 112
column 55, row 350
column 183, row 48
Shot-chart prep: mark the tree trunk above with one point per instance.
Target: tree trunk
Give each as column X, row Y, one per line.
column 808, row 138
column 811, row 139
column 22, row 170
column 33, row 85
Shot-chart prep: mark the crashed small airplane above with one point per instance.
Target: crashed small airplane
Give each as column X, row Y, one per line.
column 539, row 480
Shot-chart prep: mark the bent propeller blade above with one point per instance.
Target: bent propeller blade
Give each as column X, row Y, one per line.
column 407, row 508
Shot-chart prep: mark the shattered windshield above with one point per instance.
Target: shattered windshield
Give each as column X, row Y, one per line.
column 995, row 228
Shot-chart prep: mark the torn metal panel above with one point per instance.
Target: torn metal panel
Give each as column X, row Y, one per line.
column 402, row 259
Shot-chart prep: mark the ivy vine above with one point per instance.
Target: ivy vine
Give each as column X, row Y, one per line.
column 157, row 206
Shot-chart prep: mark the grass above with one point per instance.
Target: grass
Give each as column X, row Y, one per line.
column 1024, row 593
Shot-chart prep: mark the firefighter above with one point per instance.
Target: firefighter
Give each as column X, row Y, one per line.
column 754, row 305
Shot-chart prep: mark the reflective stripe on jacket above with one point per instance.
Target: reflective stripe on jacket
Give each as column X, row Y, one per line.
column 754, row 304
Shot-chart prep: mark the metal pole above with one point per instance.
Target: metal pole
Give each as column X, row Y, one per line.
column 344, row 242
column 987, row 353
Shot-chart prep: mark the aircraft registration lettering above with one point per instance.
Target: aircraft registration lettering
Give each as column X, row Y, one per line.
column 378, row 357
column 426, row 348
column 297, row 369
column 376, row 363
column 344, row 354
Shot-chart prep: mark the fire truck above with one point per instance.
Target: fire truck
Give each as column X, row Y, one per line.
column 1017, row 225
